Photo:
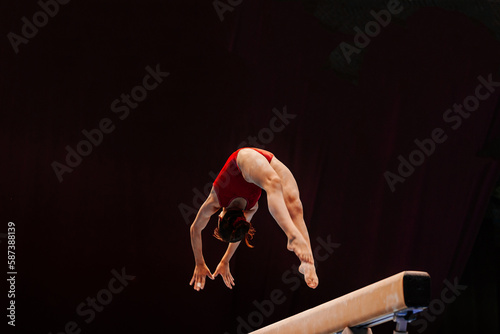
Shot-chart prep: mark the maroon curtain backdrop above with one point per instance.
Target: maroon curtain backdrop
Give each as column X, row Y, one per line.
column 260, row 77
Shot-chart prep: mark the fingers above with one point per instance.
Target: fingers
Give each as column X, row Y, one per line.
column 225, row 274
column 228, row 280
column 226, row 277
column 199, row 282
column 199, row 278
column 202, row 282
column 225, row 281
column 196, row 280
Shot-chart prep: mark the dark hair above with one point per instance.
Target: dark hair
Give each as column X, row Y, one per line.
column 233, row 227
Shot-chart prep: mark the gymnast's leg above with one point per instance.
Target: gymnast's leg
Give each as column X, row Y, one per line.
column 256, row 169
column 294, row 205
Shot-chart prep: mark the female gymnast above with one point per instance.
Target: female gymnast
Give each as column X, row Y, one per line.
column 237, row 190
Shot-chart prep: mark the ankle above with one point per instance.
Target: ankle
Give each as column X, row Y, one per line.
column 292, row 239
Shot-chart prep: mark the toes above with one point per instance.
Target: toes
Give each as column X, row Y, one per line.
column 309, row 273
column 305, row 257
column 312, row 283
column 310, row 258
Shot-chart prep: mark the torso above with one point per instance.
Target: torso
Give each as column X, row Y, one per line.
column 230, row 184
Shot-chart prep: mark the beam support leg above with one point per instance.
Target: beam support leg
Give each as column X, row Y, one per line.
column 402, row 319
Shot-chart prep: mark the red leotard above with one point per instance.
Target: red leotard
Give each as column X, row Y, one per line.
column 230, row 183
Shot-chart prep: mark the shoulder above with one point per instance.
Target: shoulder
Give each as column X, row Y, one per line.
column 212, row 197
column 212, row 200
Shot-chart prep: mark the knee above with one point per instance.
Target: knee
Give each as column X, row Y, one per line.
column 295, row 205
column 273, row 184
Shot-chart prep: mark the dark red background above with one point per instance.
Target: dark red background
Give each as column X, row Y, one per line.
column 120, row 206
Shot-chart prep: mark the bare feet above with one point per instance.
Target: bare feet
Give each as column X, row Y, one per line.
column 309, row 272
column 299, row 246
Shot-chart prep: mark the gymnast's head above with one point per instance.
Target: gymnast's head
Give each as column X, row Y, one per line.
column 233, row 227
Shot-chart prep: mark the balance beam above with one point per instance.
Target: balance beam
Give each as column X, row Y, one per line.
column 396, row 298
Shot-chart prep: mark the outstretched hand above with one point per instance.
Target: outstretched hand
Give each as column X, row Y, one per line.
column 223, row 270
column 200, row 272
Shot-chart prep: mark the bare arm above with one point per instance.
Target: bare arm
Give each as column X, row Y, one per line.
column 230, row 252
column 208, row 208
column 249, row 213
